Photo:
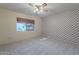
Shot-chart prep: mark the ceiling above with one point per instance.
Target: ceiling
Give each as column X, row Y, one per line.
column 53, row 8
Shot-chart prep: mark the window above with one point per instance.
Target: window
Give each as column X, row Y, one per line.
column 21, row 26
column 24, row 25
column 29, row 27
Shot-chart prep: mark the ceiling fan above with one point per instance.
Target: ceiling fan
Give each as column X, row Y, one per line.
column 39, row 7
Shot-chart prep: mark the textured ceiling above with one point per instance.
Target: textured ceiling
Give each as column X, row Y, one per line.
column 53, row 8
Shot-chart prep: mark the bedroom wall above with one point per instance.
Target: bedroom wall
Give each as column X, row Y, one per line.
column 8, row 31
column 63, row 26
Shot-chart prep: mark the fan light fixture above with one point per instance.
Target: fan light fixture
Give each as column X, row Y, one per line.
column 38, row 7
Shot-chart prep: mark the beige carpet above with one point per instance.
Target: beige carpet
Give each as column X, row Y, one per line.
column 38, row 46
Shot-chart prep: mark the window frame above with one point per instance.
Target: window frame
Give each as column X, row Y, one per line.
column 26, row 21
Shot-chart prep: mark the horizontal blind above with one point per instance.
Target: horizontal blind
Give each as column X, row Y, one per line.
column 25, row 20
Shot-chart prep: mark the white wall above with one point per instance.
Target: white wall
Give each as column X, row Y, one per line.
column 63, row 26
column 8, row 31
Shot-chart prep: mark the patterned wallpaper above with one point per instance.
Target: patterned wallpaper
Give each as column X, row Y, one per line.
column 64, row 26
column 75, row 27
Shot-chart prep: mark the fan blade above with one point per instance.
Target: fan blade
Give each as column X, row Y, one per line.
column 45, row 4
